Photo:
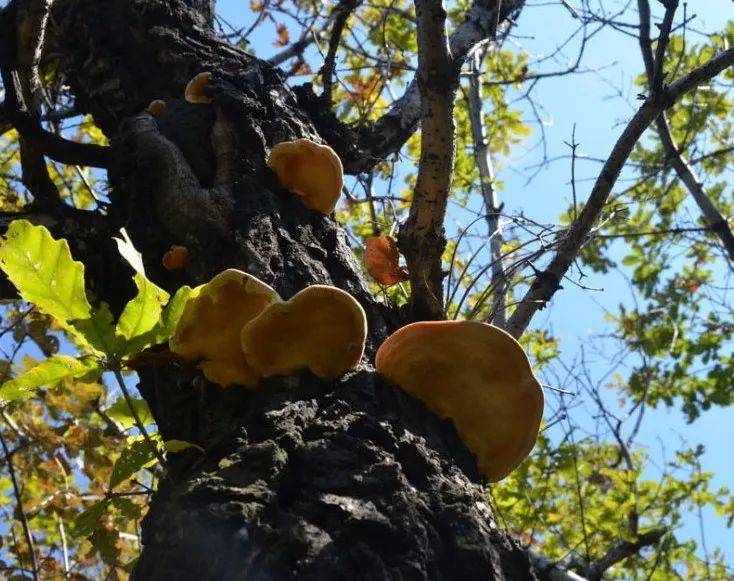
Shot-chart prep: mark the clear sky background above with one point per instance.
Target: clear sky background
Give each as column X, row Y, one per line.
column 592, row 102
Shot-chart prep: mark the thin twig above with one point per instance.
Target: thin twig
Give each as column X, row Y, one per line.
column 20, row 512
column 136, row 418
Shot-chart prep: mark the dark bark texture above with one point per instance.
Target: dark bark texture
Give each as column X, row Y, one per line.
column 301, row 478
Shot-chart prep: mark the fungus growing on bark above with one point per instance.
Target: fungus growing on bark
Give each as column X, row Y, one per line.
column 209, row 328
column 177, row 258
column 478, row 376
column 381, row 259
column 156, row 107
column 321, row 329
column 196, row 89
column 311, row 170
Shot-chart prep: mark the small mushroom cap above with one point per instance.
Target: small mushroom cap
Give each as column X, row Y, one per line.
column 311, row 170
column 156, row 107
column 210, row 325
column 196, row 89
column 177, row 258
column 321, row 328
column 478, row 376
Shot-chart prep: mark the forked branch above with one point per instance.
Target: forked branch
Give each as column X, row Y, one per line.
column 547, row 282
column 422, row 238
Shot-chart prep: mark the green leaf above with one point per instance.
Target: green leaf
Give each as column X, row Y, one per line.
column 174, row 446
column 143, row 312
column 128, row 251
column 120, row 412
column 166, row 325
column 48, row 373
column 86, row 523
column 174, row 309
column 99, row 331
column 128, row 508
column 44, row 272
column 137, row 456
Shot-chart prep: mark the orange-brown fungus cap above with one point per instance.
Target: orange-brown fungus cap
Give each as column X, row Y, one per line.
column 156, row 107
column 476, row 375
column 381, row 260
column 177, row 258
column 210, row 326
column 322, row 329
column 196, row 89
column 310, row 170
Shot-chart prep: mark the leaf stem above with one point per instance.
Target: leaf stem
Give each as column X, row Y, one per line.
column 138, row 423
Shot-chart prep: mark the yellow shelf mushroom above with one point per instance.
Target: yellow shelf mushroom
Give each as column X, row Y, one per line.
column 478, row 376
column 209, row 328
column 196, row 89
column 321, row 328
column 311, row 170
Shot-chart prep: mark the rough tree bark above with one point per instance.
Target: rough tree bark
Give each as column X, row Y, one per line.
column 301, row 478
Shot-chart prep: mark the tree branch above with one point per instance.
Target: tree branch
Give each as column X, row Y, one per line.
column 340, row 14
column 493, row 207
column 618, row 552
column 422, row 239
column 714, row 219
column 19, row 509
column 388, row 134
column 548, row 282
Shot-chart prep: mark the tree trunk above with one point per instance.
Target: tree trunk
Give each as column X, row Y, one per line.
column 301, row 478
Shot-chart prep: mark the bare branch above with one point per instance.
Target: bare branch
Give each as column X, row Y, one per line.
column 716, row 221
column 548, row 282
column 422, row 238
column 340, row 14
column 390, row 132
column 489, row 193
column 19, row 508
column 618, row 552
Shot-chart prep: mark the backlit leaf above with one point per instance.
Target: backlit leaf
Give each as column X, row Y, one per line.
column 48, row 373
column 44, row 272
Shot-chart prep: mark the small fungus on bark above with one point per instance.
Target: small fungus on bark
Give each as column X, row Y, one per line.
column 196, row 89
column 476, row 375
column 209, row 328
column 177, row 258
column 321, row 328
column 156, row 107
column 310, row 170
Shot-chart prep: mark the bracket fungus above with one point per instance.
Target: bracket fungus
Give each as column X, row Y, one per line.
column 321, row 328
column 478, row 376
column 177, row 258
column 311, row 170
column 196, row 89
column 156, row 107
column 210, row 326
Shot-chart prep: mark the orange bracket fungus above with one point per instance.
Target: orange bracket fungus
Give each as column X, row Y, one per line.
column 321, row 328
column 381, row 260
column 478, row 376
column 196, row 89
column 210, row 326
column 156, row 107
column 311, row 170
column 177, row 258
